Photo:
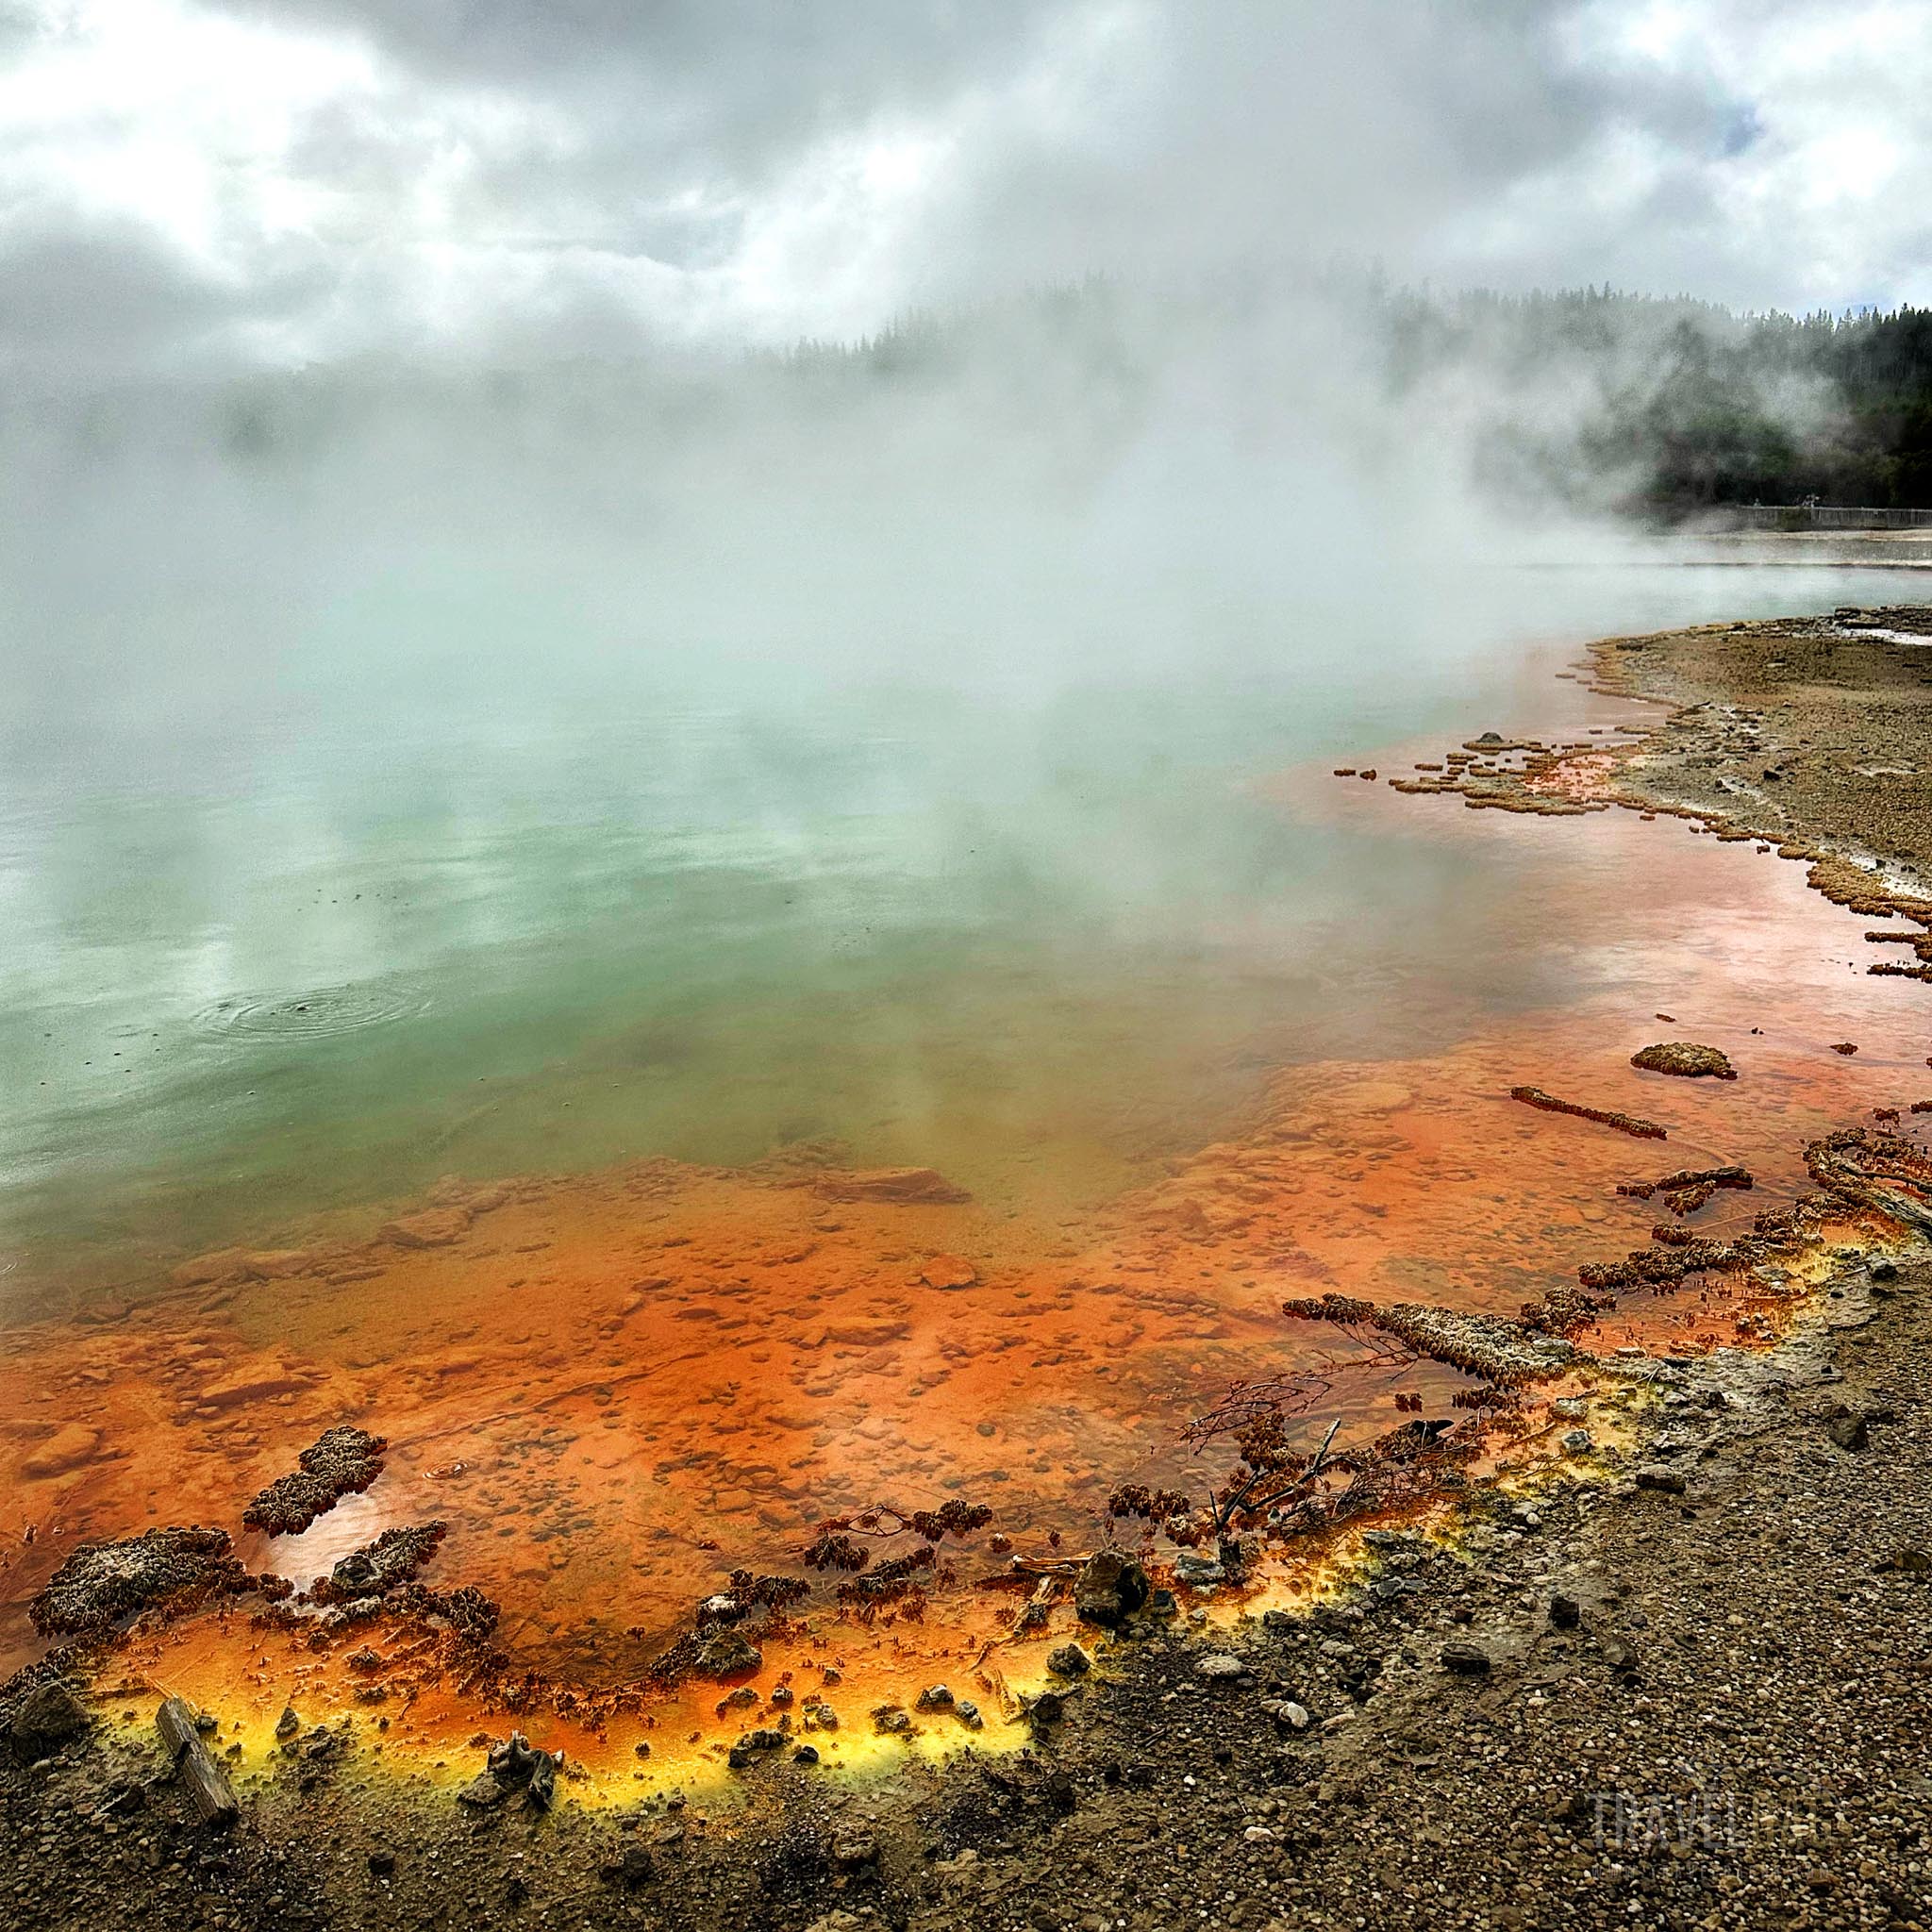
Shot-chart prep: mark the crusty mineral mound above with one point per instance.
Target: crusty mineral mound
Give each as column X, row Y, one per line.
column 342, row 1461
column 1684, row 1058
column 101, row 1583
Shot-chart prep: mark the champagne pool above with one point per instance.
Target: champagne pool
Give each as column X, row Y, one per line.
column 482, row 1068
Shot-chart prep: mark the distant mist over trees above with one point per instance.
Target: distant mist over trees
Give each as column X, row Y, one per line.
column 1676, row 405
column 1585, row 400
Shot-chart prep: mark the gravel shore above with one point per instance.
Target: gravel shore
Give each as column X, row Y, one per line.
column 1690, row 1693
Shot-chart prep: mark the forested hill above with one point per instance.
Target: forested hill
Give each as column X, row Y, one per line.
column 1680, row 405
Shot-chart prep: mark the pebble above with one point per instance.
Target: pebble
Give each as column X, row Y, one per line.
column 1220, row 1667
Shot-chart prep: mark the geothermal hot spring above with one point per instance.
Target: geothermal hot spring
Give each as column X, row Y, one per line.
column 534, row 1084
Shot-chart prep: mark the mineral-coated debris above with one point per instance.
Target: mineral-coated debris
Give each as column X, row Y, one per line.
column 101, row 1583
column 343, row 1462
column 1624, row 1122
column 378, row 1568
column 1491, row 1346
column 514, row 1765
column 1876, row 1170
column 728, row 1655
column 1684, row 1058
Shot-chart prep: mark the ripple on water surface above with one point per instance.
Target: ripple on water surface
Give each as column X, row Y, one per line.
column 320, row 1014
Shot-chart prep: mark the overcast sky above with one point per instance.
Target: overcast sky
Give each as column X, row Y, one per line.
column 196, row 183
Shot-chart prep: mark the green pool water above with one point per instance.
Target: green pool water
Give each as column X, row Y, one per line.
column 1041, row 927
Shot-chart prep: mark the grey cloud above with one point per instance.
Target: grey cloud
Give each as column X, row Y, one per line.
column 716, row 84
column 90, row 300
column 646, row 171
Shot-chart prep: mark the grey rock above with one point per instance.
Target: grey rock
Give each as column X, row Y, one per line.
column 1110, row 1588
column 47, row 1717
column 1849, row 1431
column 728, row 1655
column 1198, row 1572
column 1289, row 1715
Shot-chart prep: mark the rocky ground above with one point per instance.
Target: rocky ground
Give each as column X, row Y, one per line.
column 1692, row 1693
column 1814, row 728
column 1694, row 1696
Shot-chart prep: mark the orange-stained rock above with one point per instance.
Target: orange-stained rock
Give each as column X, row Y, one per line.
column 259, row 1384
column 73, row 1447
column 225, row 1264
column 949, row 1270
column 903, row 1184
column 430, row 1227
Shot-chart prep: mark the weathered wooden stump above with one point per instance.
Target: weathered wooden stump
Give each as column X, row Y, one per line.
column 209, row 1789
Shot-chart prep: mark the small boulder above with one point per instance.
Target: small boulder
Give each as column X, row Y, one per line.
column 1069, row 1660
column 1221, row 1668
column 48, row 1716
column 1465, row 1659
column 1654, row 1476
column 1110, row 1588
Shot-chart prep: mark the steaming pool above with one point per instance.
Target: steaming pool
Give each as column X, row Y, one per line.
column 519, row 1083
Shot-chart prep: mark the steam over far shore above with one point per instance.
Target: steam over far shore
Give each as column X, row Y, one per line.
column 445, row 356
